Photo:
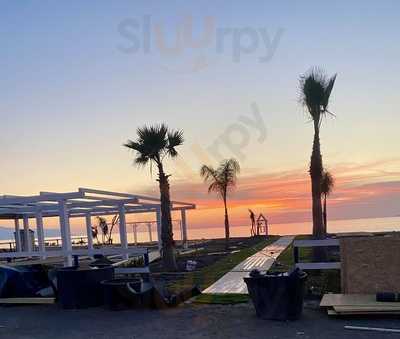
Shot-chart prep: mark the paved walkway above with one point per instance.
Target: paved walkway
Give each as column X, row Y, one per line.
column 233, row 282
column 187, row 321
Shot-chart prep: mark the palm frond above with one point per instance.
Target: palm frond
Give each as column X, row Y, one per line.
column 228, row 171
column 208, row 172
column 215, row 187
column 153, row 144
column 222, row 179
column 315, row 91
column 132, row 145
column 175, row 138
column 234, row 165
column 327, row 183
column 141, row 160
column 328, row 91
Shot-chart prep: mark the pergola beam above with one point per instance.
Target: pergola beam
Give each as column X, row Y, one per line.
column 81, row 212
column 143, row 197
column 39, row 198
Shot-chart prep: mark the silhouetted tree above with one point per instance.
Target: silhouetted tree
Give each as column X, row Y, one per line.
column 95, row 233
column 102, row 224
column 114, row 221
column 327, row 184
column 153, row 145
column 222, row 180
column 316, row 88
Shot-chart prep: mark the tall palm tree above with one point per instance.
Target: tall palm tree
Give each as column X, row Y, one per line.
column 327, row 184
column 153, row 145
column 222, row 180
column 315, row 91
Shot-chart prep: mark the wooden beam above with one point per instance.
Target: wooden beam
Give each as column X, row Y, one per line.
column 316, row 243
column 81, row 252
column 319, row 265
column 27, row 300
column 38, row 198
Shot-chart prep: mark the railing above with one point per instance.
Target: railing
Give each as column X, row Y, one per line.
column 79, row 252
column 9, row 245
column 315, row 265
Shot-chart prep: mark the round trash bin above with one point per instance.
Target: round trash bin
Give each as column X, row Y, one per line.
column 278, row 296
column 81, row 287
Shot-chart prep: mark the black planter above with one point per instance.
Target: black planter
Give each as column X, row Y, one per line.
column 81, row 288
column 278, row 296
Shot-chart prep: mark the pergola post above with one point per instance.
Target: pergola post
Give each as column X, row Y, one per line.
column 122, row 229
column 149, row 229
column 89, row 231
column 18, row 247
column 27, row 236
column 65, row 232
column 184, row 228
column 158, row 218
column 40, row 232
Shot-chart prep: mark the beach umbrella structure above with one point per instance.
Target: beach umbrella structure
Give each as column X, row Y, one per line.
column 85, row 203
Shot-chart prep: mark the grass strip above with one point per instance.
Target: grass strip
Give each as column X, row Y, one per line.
column 222, row 299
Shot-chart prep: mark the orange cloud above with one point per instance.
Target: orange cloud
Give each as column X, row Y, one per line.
column 366, row 190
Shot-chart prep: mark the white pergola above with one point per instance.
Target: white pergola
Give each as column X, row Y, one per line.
column 85, row 203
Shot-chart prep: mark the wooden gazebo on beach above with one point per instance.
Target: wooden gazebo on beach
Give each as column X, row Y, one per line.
column 84, row 203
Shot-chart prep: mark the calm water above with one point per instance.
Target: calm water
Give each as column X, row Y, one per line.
column 351, row 225
column 334, row 226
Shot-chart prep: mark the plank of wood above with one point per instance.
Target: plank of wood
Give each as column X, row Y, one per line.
column 365, row 313
column 316, row 243
column 354, row 300
column 374, row 329
column 332, row 312
column 27, row 300
column 353, row 309
column 319, row 265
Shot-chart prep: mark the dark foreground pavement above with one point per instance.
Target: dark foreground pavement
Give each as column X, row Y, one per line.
column 188, row 321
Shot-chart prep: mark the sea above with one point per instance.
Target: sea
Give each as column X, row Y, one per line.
column 334, row 226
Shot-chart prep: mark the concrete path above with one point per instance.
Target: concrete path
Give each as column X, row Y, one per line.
column 233, row 282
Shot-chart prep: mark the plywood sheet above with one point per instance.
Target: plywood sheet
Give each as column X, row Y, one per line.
column 366, row 309
column 367, row 300
column 370, row 264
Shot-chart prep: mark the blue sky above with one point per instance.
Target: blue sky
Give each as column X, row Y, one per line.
column 69, row 97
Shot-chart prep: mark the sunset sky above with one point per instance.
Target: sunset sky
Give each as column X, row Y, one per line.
column 78, row 78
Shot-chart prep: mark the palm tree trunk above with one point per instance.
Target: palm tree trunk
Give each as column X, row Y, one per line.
column 227, row 236
column 325, row 216
column 168, row 244
column 316, row 176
